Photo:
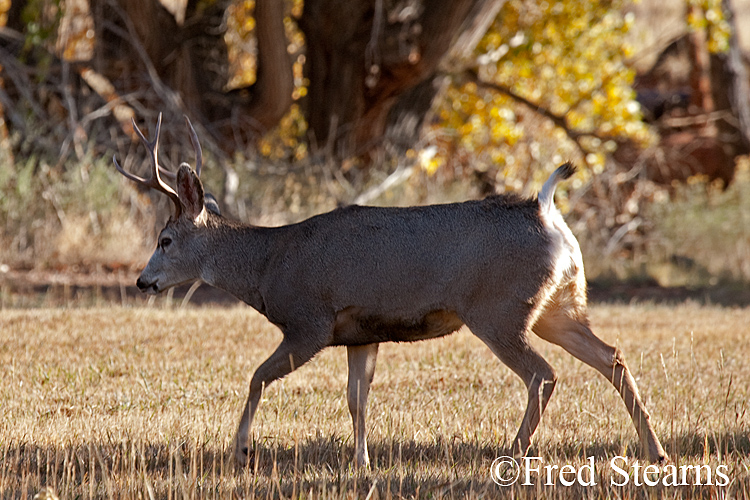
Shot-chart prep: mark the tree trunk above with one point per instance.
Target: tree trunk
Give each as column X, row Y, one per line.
column 732, row 88
column 700, row 76
column 274, row 81
column 364, row 58
column 187, row 63
column 14, row 20
column 371, row 64
column 140, row 37
column 729, row 94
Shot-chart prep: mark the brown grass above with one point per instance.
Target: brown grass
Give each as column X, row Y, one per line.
column 143, row 403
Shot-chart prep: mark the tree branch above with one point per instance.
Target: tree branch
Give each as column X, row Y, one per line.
column 559, row 121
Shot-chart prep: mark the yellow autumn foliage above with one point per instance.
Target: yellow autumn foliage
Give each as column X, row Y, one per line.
column 568, row 58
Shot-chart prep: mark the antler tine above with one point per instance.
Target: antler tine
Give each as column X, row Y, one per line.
column 154, row 181
column 198, row 154
column 163, row 172
column 153, row 150
column 132, row 177
column 196, row 147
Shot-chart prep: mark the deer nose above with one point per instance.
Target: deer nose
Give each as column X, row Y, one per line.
column 146, row 287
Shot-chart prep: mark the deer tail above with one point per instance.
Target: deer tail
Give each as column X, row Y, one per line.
column 547, row 194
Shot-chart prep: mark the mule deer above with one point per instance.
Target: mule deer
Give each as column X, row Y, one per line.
column 358, row 276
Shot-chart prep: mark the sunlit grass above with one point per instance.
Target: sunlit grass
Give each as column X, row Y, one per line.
column 142, row 403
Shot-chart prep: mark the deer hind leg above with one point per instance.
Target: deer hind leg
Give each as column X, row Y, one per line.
column 361, row 371
column 575, row 336
column 513, row 349
column 287, row 357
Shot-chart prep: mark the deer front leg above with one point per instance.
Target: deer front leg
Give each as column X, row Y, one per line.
column 285, row 359
column 361, row 370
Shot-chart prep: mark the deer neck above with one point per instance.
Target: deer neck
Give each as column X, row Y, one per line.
column 234, row 259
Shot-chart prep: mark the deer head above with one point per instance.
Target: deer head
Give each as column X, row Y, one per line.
column 176, row 258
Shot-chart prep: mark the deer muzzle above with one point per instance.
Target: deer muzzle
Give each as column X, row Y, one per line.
column 150, row 288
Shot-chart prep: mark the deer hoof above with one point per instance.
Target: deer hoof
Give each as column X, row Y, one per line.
column 362, row 462
column 661, row 459
column 242, row 456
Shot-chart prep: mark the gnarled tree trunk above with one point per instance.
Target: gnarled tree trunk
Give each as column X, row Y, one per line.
column 188, row 63
column 373, row 66
column 371, row 62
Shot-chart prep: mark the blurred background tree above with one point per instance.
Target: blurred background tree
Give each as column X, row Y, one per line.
column 343, row 77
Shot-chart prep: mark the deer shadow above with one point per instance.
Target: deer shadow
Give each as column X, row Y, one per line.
column 324, row 464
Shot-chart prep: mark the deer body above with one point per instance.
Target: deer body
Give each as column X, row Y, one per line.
column 378, row 274
column 359, row 276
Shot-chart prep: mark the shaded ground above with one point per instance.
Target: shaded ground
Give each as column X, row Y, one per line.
column 724, row 295
column 53, row 289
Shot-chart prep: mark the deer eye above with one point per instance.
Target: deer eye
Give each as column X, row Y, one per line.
column 165, row 242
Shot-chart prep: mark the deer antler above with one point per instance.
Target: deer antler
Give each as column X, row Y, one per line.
column 154, row 181
column 198, row 154
column 196, row 147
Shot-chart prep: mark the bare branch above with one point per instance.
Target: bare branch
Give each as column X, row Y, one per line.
column 559, row 121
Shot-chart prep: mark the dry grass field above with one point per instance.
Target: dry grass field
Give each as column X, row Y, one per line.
column 143, row 403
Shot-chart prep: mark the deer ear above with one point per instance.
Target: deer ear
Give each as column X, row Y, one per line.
column 190, row 192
